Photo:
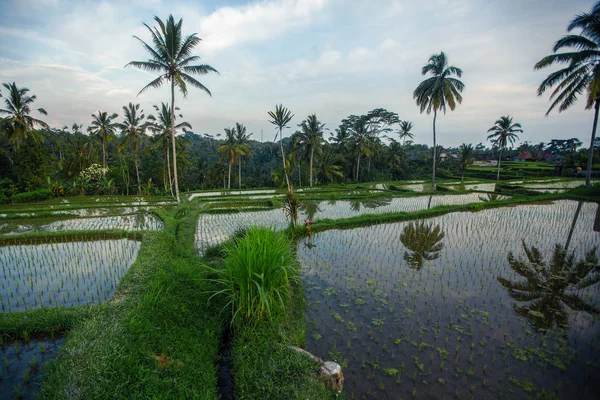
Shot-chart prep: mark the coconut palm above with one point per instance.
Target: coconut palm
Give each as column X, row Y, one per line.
column 244, row 148
column 17, row 124
column 328, row 167
column 171, row 56
column 405, row 131
column 466, row 156
column 311, row 139
column 103, row 126
column 133, row 127
column 361, row 138
column 161, row 127
column 230, row 149
column 504, row 132
column 581, row 75
column 424, row 242
column 438, row 92
column 551, row 287
column 280, row 118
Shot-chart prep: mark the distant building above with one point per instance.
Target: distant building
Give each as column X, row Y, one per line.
column 524, row 156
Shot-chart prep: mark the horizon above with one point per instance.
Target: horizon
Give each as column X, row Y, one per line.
column 313, row 56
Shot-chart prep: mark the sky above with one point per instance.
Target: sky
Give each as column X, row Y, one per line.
column 334, row 58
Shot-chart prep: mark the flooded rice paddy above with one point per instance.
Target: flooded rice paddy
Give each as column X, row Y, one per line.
column 21, row 366
column 132, row 222
column 466, row 305
column 214, row 229
column 62, row 274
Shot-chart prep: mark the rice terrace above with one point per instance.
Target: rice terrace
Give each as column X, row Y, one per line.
column 326, row 248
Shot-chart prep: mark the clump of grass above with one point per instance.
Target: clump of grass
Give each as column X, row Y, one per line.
column 260, row 270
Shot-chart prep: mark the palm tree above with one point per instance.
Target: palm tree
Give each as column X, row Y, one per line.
column 504, row 132
column 328, row 167
column 466, row 156
column 18, row 125
column 361, row 137
column 438, row 92
column 405, row 131
column 161, row 127
column 244, row 149
column 311, row 139
column 280, row 118
column 171, row 57
column 549, row 287
column 231, row 149
column 133, row 127
column 424, row 242
column 103, row 126
column 582, row 73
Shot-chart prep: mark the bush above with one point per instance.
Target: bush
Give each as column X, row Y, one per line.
column 259, row 271
column 28, row 197
column 3, row 198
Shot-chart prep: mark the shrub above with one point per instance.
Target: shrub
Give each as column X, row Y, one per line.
column 28, row 197
column 259, row 271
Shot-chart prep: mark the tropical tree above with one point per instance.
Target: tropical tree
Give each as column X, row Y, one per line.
column 161, row 125
column 581, row 75
column 328, row 167
column 361, row 138
column 405, row 131
column 504, row 132
column 133, row 128
column 104, row 128
column 424, row 242
column 466, row 156
column 281, row 117
column 171, row 56
column 17, row 124
column 231, row 150
column 442, row 90
column 244, row 149
column 551, row 287
column 311, row 139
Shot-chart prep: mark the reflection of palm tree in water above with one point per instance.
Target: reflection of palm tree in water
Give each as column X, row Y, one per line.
column 356, row 204
column 549, row 287
column 424, row 242
column 310, row 207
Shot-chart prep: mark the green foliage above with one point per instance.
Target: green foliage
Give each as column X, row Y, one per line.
column 260, row 270
column 36, row 195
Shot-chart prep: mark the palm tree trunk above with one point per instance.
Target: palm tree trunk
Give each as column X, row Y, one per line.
column 287, row 179
column 103, row 153
column 137, row 172
column 299, row 175
column 369, row 168
column 312, row 151
column 591, row 150
column 240, row 174
column 229, row 176
column 434, row 149
column 499, row 159
column 575, row 217
column 173, row 140
column 358, row 163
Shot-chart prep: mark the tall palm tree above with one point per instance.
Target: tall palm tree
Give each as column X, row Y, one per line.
column 549, row 287
column 18, row 125
column 328, row 167
column 361, row 138
column 231, row 150
column 438, row 92
column 311, row 139
column 405, row 131
column 244, row 149
column 161, row 127
column 504, row 132
column 133, row 127
column 582, row 73
column 103, row 126
column 424, row 242
column 466, row 156
column 280, row 118
column 171, row 56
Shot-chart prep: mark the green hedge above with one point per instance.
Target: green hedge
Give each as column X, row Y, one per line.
column 29, row 197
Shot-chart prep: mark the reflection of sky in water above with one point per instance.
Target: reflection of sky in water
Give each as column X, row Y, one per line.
column 360, row 277
column 62, row 274
column 133, row 222
column 230, row 193
column 214, row 229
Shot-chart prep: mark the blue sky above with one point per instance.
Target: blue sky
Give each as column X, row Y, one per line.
column 329, row 57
